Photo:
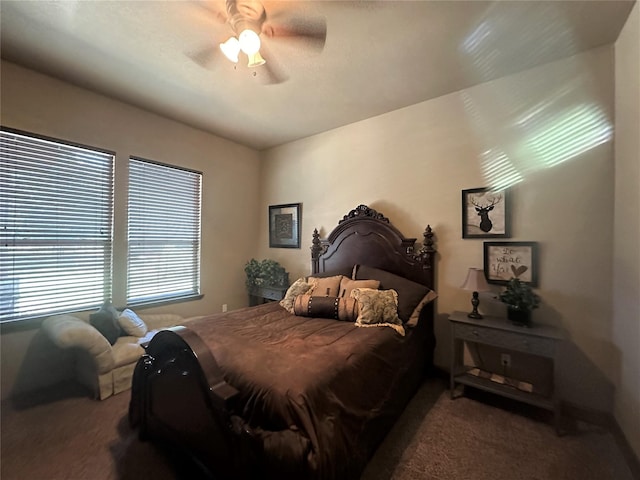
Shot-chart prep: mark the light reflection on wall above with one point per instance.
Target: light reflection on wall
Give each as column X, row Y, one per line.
column 517, row 36
column 569, row 135
column 547, row 116
column 499, row 170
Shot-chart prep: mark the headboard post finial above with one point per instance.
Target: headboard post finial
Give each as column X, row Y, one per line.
column 426, row 251
column 316, row 251
column 428, row 239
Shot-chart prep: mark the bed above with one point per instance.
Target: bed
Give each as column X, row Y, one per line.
column 265, row 392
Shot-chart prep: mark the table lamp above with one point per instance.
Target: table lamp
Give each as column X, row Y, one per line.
column 475, row 282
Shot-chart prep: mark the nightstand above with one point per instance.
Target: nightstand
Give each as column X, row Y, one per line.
column 266, row 294
column 540, row 340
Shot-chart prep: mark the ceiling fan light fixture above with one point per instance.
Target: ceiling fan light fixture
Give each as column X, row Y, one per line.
column 255, row 60
column 231, row 49
column 249, row 42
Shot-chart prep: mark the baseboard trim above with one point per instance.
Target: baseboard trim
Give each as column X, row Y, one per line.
column 608, row 421
column 589, row 415
column 627, row 451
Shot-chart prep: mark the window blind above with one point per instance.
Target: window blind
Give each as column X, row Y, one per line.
column 56, row 226
column 163, row 233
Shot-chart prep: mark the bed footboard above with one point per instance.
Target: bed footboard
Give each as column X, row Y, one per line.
column 179, row 397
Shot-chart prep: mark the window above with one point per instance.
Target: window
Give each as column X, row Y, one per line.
column 163, row 233
column 55, row 226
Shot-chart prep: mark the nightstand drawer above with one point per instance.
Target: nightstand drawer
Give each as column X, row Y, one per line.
column 514, row 341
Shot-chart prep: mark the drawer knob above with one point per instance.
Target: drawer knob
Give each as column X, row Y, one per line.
column 475, row 332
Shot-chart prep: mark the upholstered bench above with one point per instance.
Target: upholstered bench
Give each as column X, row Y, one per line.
column 104, row 368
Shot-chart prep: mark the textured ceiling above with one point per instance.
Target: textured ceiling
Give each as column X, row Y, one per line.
column 378, row 56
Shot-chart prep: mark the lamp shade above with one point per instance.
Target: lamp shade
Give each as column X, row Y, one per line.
column 249, row 41
column 476, row 281
column 255, row 60
column 231, row 49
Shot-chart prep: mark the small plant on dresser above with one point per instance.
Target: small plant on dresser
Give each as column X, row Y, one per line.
column 265, row 273
column 521, row 301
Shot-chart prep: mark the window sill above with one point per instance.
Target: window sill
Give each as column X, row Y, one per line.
column 34, row 323
column 158, row 303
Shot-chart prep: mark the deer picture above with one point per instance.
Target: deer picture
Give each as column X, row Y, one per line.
column 483, row 211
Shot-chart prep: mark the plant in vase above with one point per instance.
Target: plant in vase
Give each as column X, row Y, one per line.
column 520, row 300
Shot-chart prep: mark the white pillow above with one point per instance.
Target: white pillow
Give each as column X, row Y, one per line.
column 132, row 323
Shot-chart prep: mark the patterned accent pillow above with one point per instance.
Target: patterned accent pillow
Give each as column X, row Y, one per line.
column 377, row 308
column 347, row 285
column 325, row 286
column 299, row 287
column 412, row 296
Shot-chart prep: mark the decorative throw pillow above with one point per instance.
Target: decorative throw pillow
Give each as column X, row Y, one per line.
column 325, row 286
column 299, row 287
column 339, row 308
column 411, row 295
column 105, row 321
column 377, row 308
column 346, row 285
column 131, row 323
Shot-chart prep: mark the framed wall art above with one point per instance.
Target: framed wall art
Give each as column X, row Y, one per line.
column 485, row 213
column 506, row 260
column 284, row 225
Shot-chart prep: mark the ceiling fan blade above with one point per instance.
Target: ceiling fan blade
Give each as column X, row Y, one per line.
column 214, row 9
column 314, row 32
column 204, row 56
column 271, row 73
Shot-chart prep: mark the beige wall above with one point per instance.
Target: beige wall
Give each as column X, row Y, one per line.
column 45, row 106
column 411, row 165
column 626, row 247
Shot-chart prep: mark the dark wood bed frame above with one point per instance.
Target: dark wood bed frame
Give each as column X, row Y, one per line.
column 179, row 396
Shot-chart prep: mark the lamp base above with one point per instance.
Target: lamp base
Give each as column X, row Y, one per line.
column 475, row 301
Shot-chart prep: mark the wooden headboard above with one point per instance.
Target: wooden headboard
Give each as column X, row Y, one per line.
column 365, row 236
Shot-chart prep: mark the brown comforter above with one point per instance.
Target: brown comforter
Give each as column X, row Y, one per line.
column 320, row 393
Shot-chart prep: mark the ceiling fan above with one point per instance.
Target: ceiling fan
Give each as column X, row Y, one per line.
column 253, row 29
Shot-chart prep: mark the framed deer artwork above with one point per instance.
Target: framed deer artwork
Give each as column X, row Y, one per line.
column 485, row 213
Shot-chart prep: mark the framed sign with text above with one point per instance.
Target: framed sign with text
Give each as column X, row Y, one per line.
column 506, row 260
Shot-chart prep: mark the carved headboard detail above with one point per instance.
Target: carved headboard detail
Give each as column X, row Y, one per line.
column 365, row 236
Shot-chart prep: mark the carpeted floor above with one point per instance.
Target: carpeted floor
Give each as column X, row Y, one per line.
column 484, row 437
column 435, row 439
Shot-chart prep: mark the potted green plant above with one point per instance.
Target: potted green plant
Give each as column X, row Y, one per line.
column 520, row 300
column 265, row 273
column 252, row 270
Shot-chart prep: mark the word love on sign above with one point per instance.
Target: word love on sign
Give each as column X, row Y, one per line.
column 506, row 260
